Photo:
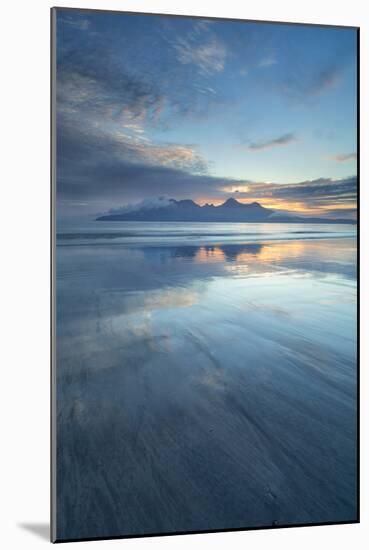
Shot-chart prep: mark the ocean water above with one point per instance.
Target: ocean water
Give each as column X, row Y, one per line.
column 206, row 376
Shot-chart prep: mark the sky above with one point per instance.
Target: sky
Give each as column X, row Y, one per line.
column 160, row 106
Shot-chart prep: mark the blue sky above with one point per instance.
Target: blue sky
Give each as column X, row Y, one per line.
column 204, row 109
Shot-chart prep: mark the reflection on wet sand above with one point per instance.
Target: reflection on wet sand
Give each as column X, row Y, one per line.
column 234, row 253
column 205, row 386
column 270, row 251
column 171, row 298
column 312, row 256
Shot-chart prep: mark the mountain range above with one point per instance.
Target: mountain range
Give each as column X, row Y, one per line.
column 230, row 211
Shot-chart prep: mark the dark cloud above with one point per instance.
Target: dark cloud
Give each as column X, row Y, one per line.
column 321, row 193
column 342, row 213
column 101, row 168
column 80, row 147
column 280, row 141
column 108, row 182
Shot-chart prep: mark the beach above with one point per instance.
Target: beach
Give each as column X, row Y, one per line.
column 206, row 376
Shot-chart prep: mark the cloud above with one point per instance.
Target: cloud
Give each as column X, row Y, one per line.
column 101, row 166
column 268, row 61
column 317, row 191
column 92, row 90
column 280, row 141
column 344, row 157
column 171, row 299
column 77, row 22
column 323, row 195
column 304, row 85
column 209, row 57
column 94, row 163
column 145, row 204
column 202, row 48
column 138, row 149
column 93, row 142
column 342, row 213
column 105, row 75
column 327, row 78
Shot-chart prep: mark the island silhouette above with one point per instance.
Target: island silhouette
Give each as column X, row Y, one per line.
column 230, row 211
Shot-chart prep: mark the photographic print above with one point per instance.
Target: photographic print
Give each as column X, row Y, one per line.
column 204, row 206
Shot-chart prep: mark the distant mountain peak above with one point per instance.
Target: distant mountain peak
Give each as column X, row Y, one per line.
column 187, row 203
column 231, row 202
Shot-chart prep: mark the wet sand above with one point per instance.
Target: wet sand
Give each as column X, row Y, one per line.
column 205, row 385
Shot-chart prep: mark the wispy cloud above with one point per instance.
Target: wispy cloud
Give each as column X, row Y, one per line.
column 79, row 23
column 280, row 141
column 169, row 154
column 108, row 87
column 268, row 61
column 327, row 78
column 344, row 157
column 209, row 57
column 302, row 86
column 202, row 48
